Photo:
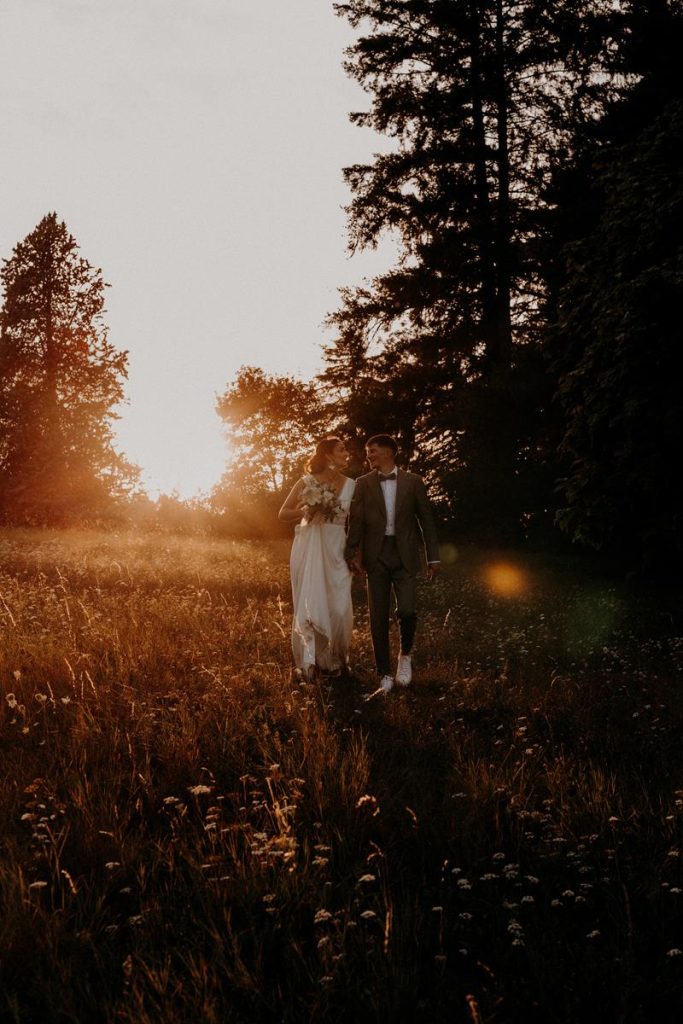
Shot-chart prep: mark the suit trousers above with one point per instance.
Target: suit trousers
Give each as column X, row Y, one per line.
column 389, row 571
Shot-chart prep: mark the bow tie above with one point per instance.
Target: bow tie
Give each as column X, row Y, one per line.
column 389, row 476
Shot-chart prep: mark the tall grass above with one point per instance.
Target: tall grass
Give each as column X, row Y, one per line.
column 190, row 834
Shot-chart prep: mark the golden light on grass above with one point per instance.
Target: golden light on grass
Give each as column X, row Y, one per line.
column 506, row 579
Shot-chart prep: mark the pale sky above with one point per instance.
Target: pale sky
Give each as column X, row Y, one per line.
column 194, row 149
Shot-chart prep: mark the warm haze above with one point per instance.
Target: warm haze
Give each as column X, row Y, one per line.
column 194, row 149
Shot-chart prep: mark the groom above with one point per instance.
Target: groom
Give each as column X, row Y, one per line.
column 391, row 522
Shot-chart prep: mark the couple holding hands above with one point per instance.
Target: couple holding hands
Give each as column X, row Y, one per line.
column 379, row 524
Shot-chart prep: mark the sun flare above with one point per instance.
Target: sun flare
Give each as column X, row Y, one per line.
column 506, row 579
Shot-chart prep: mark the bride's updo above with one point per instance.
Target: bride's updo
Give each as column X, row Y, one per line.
column 320, row 460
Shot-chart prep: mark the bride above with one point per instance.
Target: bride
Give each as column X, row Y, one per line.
column 321, row 580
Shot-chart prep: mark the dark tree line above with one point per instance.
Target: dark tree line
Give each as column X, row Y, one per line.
column 522, row 347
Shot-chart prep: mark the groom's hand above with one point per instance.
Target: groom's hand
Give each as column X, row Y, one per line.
column 353, row 562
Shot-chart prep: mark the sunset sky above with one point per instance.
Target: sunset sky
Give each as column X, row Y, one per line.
column 194, row 149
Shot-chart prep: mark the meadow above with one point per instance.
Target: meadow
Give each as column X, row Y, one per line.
column 189, row 833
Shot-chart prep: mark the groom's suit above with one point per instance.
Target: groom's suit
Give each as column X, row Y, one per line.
column 392, row 525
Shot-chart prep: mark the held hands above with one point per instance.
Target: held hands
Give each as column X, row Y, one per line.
column 354, row 564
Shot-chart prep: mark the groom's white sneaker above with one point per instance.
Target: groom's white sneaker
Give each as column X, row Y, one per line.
column 404, row 672
column 386, row 684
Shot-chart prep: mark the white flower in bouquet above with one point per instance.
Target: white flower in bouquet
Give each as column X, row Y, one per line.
column 319, row 499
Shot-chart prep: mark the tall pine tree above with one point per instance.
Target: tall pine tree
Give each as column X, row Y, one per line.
column 481, row 100
column 60, row 382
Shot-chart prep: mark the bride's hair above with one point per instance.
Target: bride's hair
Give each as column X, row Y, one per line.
column 320, row 459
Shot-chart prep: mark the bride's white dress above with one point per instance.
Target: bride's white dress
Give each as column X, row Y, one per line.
column 321, row 591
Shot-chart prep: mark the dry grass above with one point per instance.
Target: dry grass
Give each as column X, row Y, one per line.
column 190, row 835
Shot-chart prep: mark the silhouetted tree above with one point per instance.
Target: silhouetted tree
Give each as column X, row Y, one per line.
column 60, row 382
column 481, row 101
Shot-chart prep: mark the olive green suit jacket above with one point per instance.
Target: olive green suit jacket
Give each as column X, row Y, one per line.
column 415, row 530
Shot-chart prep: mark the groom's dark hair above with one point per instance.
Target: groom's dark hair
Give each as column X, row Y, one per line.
column 384, row 441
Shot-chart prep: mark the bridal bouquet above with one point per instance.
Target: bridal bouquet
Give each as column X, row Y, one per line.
column 319, row 499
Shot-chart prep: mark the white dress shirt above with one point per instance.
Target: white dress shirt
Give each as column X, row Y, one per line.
column 389, row 492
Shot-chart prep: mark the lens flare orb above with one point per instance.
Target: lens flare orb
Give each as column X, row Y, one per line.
column 506, row 579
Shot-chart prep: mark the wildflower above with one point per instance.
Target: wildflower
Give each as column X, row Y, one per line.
column 38, row 885
column 675, row 952
column 595, row 934
column 320, row 862
column 199, row 790
column 568, row 894
column 675, row 889
column 112, row 864
column 40, row 697
column 488, row 877
column 437, row 910
column 556, row 903
column 322, row 915
column 135, row 920
column 368, row 914
column 531, row 879
column 464, row 884
column 367, row 878
column 498, row 856
column 528, row 899
column 65, row 700
column 518, row 942
column 465, row 916
column 325, row 941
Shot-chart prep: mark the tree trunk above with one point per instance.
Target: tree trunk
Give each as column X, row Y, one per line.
column 502, row 354
column 483, row 196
